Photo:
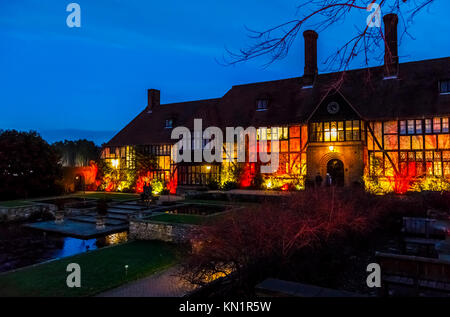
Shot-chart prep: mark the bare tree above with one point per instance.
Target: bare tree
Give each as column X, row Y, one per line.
column 366, row 41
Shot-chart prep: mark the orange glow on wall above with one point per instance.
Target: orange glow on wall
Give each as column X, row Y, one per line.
column 173, row 183
column 247, row 175
column 142, row 179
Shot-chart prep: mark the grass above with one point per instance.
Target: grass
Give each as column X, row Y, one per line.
column 102, row 195
column 100, row 270
column 14, row 203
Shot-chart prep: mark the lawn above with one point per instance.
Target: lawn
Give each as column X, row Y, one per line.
column 14, row 203
column 101, row 195
column 100, row 270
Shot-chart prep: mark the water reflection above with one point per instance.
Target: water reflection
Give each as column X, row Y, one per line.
column 74, row 246
column 21, row 246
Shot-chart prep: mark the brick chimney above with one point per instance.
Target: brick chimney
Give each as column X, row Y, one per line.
column 311, row 70
column 153, row 99
column 391, row 45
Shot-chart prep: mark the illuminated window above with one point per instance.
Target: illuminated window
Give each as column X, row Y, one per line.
column 437, row 124
column 419, row 156
column 419, row 126
column 348, row 130
column 356, row 133
column 341, row 135
column 327, row 132
column 410, row 126
column 262, row 104
column 445, row 125
column 446, row 169
column 437, row 168
column 333, row 131
column 446, row 156
column 285, row 133
column 402, row 127
column 428, row 126
column 269, row 134
column 444, row 86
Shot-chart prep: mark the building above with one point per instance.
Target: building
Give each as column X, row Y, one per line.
column 387, row 126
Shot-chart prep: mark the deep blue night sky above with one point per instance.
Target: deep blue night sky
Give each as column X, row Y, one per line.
column 89, row 82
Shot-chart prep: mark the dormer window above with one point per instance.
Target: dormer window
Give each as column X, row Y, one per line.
column 444, row 87
column 168, row 124
column 262, row 104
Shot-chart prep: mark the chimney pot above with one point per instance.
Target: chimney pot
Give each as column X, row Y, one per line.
column 153, row 99
column 391, row 46
column 311, row 70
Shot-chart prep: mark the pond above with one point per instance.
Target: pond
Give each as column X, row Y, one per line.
column 196, row 209
column 21, row 246
column 72, row 202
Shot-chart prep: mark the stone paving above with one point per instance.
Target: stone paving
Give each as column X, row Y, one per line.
column 163, row 284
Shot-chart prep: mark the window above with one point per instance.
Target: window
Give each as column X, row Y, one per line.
column 337, row 131
column 437, row 124
column 444, row 86
column 169, row 123
column 402, row 127
column 419, row 126
column 261, row 104
column 428, row 126
column 410, row 126
column 445, row 125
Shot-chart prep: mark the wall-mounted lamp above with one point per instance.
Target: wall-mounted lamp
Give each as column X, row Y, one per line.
column 115, row 163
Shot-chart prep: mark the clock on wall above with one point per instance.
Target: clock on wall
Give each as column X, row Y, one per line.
column 333, row 107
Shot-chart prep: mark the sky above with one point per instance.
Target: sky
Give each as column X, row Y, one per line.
column 89, row 82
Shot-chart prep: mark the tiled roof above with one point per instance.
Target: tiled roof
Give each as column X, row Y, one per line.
column 413, row 94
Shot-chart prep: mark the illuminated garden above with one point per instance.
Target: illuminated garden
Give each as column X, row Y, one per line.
column 326, row 176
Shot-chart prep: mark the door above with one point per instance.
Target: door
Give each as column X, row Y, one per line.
column 336, row 170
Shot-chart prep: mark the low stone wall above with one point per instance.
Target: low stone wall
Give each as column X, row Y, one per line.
column 168, row 232
column 21, row 213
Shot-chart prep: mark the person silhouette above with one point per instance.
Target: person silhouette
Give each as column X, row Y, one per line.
column 328, row 180
column 318, row 180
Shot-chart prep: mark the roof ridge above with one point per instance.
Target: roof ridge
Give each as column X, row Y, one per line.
column 191, row 101
column 339, row 72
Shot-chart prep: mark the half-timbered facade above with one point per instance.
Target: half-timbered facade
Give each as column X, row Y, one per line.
column 386, row 127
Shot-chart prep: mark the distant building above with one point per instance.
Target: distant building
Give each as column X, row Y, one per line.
column 391, row 128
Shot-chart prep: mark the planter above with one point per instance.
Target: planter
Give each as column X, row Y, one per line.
column 59, row 216
column 100, row 223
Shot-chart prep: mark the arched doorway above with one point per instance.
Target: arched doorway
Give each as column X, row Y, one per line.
column 335, row 168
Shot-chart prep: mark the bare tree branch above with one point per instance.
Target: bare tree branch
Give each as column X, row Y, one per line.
column 276, row 41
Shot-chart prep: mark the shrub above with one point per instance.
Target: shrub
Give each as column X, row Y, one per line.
column 213, row 185
column 258, row 239
column 165, row 191
column 230, row 185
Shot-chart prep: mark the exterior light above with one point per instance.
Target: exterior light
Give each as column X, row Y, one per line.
column 115, row 163
column 208, row 167
column 331, row 148
column 269, row 184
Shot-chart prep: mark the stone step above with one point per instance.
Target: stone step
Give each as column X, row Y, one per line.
column 117, row 216
column 121, row 211
column 128, row 207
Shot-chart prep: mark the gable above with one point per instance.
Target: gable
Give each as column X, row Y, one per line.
column 334, row 107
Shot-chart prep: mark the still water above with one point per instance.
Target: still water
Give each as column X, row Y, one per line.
column 21, row 246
